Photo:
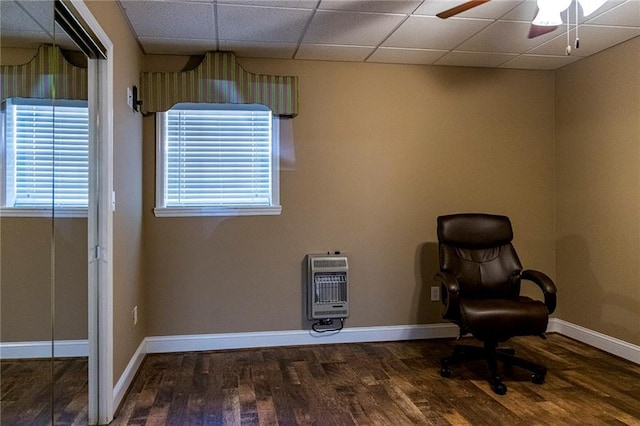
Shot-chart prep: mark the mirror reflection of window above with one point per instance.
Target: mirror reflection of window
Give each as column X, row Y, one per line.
column 45, row 155
column 43, row 229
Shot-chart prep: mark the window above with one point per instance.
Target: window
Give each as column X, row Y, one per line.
column 217, row 160
column 45, row 157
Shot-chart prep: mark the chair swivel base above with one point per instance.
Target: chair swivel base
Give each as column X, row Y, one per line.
column 492, row 354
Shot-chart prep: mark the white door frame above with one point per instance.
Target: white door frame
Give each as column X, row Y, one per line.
column 100, row 229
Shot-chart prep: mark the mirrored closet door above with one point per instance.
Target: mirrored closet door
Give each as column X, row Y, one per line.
column 47, row 125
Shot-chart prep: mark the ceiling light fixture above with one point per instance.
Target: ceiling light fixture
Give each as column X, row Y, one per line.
column 549, row 10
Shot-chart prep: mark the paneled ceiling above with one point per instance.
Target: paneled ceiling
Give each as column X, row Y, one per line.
column 28, row 24
column 494, row 34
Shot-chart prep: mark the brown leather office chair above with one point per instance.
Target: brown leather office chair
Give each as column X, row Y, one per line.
column 480, row 276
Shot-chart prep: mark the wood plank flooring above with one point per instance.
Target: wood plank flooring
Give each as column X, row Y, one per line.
column 391, row 383
column 42, row 392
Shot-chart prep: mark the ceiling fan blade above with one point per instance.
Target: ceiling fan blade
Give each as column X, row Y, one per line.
column 537, row 30
column 460, row 8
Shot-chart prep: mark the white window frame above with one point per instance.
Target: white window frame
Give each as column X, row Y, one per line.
column 162, row 210
column 42, row 210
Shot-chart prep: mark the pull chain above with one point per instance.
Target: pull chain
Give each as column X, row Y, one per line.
column 568, row 51
column 577, row 25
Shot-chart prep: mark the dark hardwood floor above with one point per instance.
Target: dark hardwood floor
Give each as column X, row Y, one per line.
column 391, row 383
column 42, row 392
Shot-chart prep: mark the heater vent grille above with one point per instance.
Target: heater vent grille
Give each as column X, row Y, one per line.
column 332, row 314
column 330, row 287
column 327, row 287
column 330, row 263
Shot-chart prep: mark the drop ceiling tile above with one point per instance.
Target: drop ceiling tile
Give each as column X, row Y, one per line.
column 505, row 37
column 381, row 6
column 539, row 62
column 490, row 10
column 261, row 24
column 15, row 18
column 170, row 19
column 525, row 11
column 40, row 11
column 610, row 4
column 475, row 59
column 29, row 24
column 172, row 46
column 558, row 46
column 293, row 4
column 593, row 39
column 427, row 32
column 394, row 55
column 350, row 28
column 259, row 50
column 333, row 53
column 626, row 14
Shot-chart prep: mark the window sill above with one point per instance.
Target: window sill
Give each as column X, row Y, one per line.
column 46, row 212
column 216, row 211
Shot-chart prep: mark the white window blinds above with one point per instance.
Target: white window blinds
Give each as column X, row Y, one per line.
column 47, row 154
column 218, row 157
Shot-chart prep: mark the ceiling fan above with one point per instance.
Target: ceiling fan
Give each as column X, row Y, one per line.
column 460, row 8
column 548, row 10
column 534, row 30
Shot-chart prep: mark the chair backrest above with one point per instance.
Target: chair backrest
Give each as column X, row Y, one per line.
column 477, row 249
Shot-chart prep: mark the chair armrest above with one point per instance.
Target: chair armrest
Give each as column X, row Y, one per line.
column 546, row 285
column 450, row 290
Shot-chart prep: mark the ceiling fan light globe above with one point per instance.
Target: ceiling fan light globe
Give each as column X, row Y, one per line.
column 549, row 12
column 546, row 18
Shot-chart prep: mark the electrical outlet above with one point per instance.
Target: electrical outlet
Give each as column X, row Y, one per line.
column 435, row 294
column 135, row 315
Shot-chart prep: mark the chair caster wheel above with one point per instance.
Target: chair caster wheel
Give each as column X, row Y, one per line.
column 445, row 372
column 538, row 378
column 499, row 388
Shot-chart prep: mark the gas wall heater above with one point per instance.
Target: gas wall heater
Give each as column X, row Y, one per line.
column 327, row 286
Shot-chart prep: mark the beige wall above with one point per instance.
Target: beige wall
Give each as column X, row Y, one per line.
column 598, row 191
column 378, row 152
column 43, row 260
column 128, row 282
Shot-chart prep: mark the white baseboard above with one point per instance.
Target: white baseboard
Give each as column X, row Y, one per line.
column 207, row 342
column 43, row 349
column 122, row 386
column 598, row 340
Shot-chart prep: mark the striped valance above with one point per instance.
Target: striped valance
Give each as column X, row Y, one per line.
column 47, row 76
column 219, row 79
